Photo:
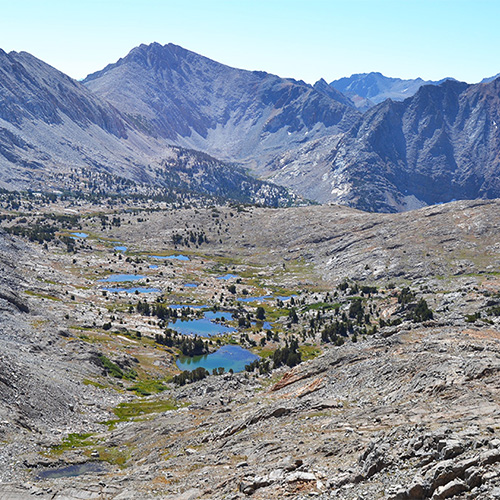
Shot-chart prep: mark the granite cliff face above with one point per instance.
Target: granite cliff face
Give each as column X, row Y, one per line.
column 440, row 145
column 31, row 89
column 233, row 114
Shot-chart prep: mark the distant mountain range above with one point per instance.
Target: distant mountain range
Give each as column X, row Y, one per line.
column 368, row 89
column 165, row 116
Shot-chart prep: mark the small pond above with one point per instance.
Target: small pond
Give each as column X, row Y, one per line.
column 153, row 266
column 120, row 248
column 201, row 327
column 79, row 235
column 190, row 285
column 227, row 277
column 138, row 289
column 72, row 470
column 254, row 299
column 170, row 257
column 122, row 278
column 229, row 357
column 218, row 315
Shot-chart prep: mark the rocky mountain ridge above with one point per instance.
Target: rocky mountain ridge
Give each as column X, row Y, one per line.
column 438, row 145
column 194, row 102
column 310, row 139
column 51, row 126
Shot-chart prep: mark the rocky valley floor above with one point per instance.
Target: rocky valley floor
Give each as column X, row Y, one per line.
column 389, row 401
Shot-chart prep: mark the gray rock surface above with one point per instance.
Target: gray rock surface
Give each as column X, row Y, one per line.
column 55, row 134
column 437, row 146
column 374, row 88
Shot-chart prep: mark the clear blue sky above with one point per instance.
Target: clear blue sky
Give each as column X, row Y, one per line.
column 303, row 39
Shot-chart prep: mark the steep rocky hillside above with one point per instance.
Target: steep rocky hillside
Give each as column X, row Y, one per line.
column 52, row 127
column 50, row 123
column 232, row 114
column 41, row 385
column 191, row 171
column 441, row 144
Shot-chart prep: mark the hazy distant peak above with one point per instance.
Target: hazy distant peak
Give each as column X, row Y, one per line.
column 377, row 88
column 490, row 78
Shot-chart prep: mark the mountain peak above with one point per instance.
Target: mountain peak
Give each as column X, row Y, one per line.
column 322, row 86
column 156, row 56
column 199, row 103
column 490, row 78
column 156, row 48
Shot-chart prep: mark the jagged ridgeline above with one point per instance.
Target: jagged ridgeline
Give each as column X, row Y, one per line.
column 439, row 144
column 130, row 120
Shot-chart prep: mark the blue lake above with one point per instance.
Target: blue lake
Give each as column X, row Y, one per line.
column 120, row 248
column 227, row 277
column 229, row 356
column 218, row 314
column 185, row 306
column 254, row 299
column 153, row 266
column 79, row 235
column 190, row 285
column 132, row 290
column 122, row 278
column 170, row 257
column 201, row 327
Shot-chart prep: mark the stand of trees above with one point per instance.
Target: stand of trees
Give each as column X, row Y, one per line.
column 189, row 346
